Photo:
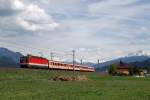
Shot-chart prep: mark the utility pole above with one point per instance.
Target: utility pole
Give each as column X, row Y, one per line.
column 98, row 62
column 81, row 61
column 41, row 54
column 52, row 55
column 73, row 62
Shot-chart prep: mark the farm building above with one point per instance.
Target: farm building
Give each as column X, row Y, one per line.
column 123, row 68
column 120, row 68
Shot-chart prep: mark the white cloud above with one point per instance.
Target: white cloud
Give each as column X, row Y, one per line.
column 17, row 5
column 114, row 8
column 11, row 5
column 29, row 18
column 35, row 19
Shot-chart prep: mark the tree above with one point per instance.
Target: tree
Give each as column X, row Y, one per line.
column 113, row 69
column 131, row 70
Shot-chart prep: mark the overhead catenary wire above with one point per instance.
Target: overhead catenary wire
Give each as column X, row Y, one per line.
column 64, row 56
column 26, row 48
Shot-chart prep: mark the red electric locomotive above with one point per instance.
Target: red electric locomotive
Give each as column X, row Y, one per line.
column 33, row 62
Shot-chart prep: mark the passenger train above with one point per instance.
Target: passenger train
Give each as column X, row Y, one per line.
column 30, row 61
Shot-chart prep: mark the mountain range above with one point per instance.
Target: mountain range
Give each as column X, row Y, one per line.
column 128, row 59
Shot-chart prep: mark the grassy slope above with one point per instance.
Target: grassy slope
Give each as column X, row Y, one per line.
column 24, row 84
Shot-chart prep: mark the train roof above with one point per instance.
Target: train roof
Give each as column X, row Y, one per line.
column 29, row 55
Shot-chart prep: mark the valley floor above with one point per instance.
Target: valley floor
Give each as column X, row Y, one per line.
column 33, row 84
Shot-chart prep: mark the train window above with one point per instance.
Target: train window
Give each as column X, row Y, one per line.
column 56, row 64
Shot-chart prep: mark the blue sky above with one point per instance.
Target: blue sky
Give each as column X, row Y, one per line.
column 96, row 29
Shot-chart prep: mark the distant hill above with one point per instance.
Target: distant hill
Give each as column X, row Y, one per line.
column 128, row 59
column 9, row 58
column 142, row 64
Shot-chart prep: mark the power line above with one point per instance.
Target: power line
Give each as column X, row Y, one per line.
column 22, row 45
column 59, row 55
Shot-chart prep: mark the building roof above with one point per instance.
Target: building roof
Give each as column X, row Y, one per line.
column 122, row 65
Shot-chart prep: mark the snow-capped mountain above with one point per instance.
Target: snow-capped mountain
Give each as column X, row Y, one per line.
column 139, row 53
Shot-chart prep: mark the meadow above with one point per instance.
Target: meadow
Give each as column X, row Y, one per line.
column 33, row 84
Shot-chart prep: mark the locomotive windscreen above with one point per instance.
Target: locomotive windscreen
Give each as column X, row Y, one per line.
column 23, row 60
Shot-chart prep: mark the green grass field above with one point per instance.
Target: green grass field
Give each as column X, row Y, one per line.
column 29, row 84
